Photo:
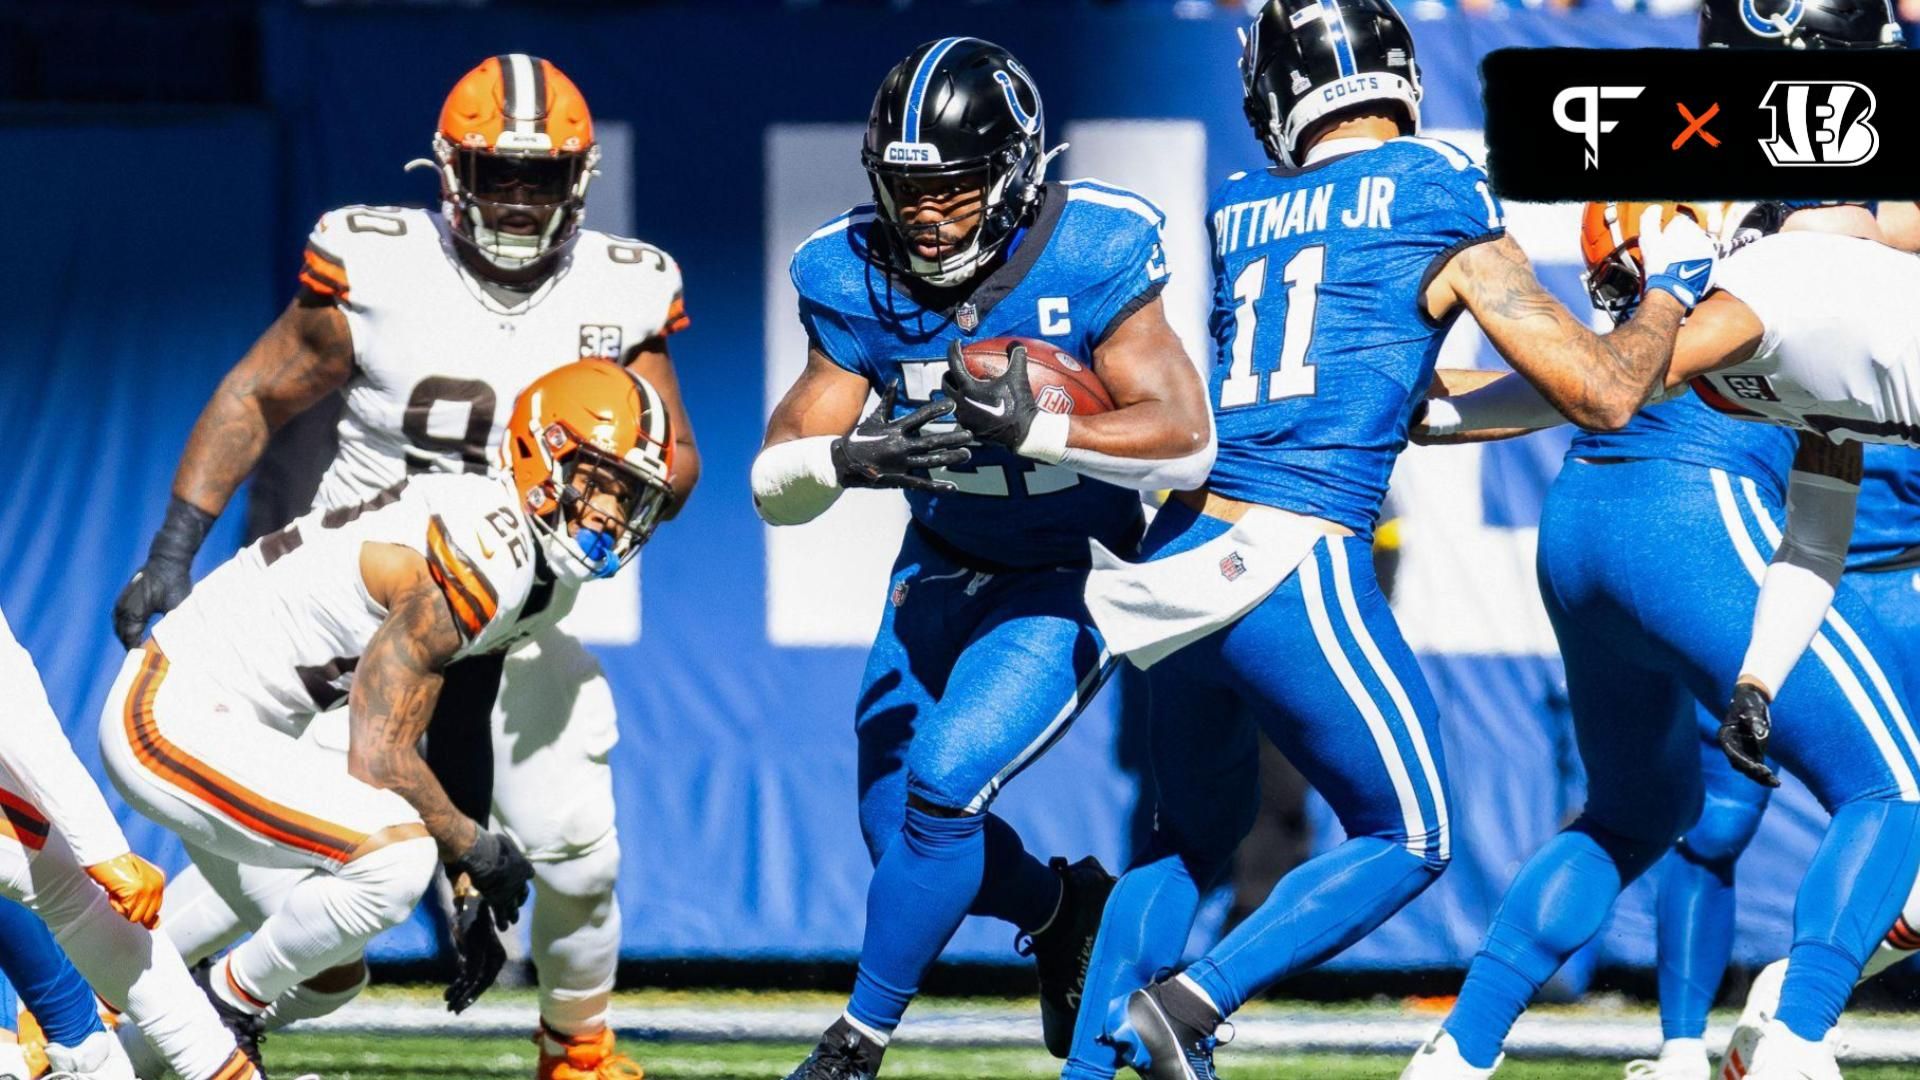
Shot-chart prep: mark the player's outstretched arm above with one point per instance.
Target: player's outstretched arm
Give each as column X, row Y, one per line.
column 304, row 355
column 1598, row 381
column 1469, row 405
column 1794, row 595
column 1159, row 434
column 651, row 362
column 814, row 450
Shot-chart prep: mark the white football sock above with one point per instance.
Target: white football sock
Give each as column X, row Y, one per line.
column 575, row 936
column 303, row 1002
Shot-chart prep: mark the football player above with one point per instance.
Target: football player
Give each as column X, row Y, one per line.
column 62, row 854
column 370, row 604
column 1807, row 330
column 1258, row 600
column 1650, row 647
column 986, row 652
column 431, row 323
column 1696, row 899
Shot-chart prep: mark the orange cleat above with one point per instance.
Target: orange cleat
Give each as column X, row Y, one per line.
column 583, row 1057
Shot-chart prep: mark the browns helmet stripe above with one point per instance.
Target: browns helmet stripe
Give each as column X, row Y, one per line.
column 524, row 92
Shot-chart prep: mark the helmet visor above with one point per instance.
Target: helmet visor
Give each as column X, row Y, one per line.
column 519, row 180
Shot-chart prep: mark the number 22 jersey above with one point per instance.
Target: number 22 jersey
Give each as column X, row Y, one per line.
column 1322, row 345
column 1088, row 260
column 439, row 357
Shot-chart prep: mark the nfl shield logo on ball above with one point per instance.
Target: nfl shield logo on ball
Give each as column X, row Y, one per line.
column 1232, row 566
column 968, row 317
column 1054, row 399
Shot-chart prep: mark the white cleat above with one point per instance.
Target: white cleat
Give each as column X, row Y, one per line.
column 1439, row 1059
column 1680, row 1059
column 1763, row 1000
column 1786, row 1056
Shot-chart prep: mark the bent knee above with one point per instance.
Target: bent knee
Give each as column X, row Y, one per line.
column 1724, row 830
column 590, row 875
column 351, row 975
column 389, row 882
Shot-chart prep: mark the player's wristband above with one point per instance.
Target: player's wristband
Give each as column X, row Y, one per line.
column 1046, row 438
column 795, row 481
column 182, row 533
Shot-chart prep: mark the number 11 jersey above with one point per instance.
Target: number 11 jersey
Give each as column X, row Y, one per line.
column 1322, row 344
column 439, row 357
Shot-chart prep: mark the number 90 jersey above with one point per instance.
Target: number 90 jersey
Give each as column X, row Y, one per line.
column 439, row 358
column 1322, row 345
column 1090, row 258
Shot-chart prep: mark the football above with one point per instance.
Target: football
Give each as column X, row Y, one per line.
column 1061, row 383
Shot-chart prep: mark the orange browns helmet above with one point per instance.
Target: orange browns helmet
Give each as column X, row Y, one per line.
column 590, row 449
column 1610, row 246
column 515, row 152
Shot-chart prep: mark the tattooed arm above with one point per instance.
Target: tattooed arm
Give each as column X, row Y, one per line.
column 305, row 355
column 1596, row 380
column 395, row 687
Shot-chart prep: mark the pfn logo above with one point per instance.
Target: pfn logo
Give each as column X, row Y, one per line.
column 1588, row 124
column 1820, row 123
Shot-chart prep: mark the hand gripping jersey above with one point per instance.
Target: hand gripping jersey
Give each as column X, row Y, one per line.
column 1840, row 355
column 439, row 357
column 1321, row 342
column 284, row 622
column 1090, row 258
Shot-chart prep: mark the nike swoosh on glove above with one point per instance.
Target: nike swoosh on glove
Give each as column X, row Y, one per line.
column 999, row 410
column 1679, row 256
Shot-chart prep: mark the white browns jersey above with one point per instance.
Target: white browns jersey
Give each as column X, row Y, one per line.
column 284, row 622
column 439, row 358
column 1840, row 355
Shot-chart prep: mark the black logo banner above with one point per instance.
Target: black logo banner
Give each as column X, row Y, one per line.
column 1573, row 124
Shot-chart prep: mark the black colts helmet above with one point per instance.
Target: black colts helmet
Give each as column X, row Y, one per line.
column 1799, row 24
column 1306, row 60
column 962, row 110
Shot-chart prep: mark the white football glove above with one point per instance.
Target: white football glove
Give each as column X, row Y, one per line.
column 1678, row 256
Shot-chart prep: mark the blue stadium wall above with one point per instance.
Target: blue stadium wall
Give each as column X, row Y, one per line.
column 161, row 242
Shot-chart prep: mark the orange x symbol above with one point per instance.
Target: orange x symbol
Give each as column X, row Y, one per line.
column 1697, row 125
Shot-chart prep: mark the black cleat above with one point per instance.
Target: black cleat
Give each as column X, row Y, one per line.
column 1170, row 1034
column 843, row 1054
column 249, row 1029
column 1064, row 949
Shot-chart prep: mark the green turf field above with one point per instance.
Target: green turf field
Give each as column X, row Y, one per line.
column 358, row 1057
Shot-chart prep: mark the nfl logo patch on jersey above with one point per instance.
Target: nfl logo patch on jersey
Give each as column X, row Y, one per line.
column 1752, row 387
column 968, row 317
column 898, row 598
column 599, row 342
column 1054, row 398
column 1232, row 566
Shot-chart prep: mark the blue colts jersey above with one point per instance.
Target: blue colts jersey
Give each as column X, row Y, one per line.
column 1322, row 346
column 1090, row 258
column 1687, row 429
column 1886, row 526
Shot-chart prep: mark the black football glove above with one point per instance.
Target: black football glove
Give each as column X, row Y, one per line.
column 882, row 451
column 477, row 951
column 999, row 410
column 499, row 873
column 1744, row 733
column 167, row 578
